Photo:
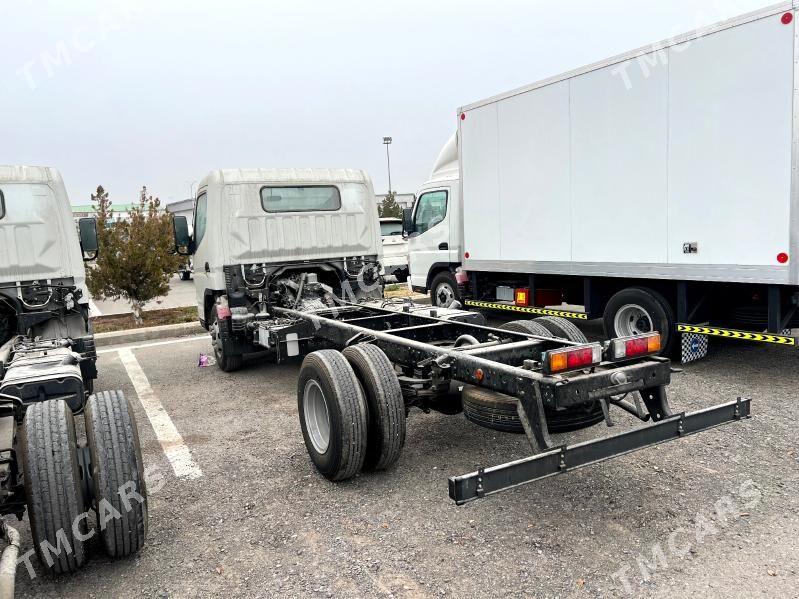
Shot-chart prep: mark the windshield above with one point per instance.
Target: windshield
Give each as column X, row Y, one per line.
column 387, row 229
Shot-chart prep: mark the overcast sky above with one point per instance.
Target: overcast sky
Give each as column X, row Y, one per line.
column 126, row 93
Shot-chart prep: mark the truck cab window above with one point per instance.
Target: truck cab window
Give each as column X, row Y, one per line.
column 200, row 218
column 430, row 210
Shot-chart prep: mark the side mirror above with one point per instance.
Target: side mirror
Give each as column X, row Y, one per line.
column 407, row 222
column 180, row 229
column 89, row 244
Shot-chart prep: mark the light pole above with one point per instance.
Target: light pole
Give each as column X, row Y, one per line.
column 387, row 142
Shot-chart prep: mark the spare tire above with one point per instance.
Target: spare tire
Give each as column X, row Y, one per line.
column 497, row 411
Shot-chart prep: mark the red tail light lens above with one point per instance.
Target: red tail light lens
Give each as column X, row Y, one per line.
column 522, row 297
column 572, row 358
column 634, row 347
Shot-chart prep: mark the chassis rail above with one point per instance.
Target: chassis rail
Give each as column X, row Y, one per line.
column 487, row 481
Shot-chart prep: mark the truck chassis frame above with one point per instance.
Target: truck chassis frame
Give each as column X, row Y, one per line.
column 425, row 348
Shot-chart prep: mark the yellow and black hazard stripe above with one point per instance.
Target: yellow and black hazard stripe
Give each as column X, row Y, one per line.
column 525, row 310
column 735, row 334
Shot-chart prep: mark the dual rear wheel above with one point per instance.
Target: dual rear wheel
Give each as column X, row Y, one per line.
column 352, row 413
column 64, row 483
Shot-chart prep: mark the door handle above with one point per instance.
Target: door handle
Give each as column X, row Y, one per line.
column 443, row 246
column 207, row 268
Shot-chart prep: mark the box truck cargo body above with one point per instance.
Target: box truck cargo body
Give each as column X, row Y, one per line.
column 672, row 167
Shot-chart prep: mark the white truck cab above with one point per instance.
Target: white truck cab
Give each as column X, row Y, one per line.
column 435, row 233
column 265, row 237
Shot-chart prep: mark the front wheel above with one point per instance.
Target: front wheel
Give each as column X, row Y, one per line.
column 637, row 311
column 444, row 290
column 227, row 362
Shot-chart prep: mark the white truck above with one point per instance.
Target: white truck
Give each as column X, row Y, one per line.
column 47, row 373
column 658, row 189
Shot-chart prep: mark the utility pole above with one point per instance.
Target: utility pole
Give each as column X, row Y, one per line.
column 387, row 142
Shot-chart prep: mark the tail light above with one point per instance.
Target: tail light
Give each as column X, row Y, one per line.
column 572, row 358
column 521, row 297
column 627, row 348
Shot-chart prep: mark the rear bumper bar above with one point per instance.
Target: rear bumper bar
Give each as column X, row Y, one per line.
column 466, row 488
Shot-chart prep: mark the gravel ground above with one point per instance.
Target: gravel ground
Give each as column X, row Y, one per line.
column 715, row 515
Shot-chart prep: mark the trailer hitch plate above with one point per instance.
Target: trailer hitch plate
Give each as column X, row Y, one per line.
column 487, row 481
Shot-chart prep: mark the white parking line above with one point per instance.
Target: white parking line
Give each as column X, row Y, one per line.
column 168, row 436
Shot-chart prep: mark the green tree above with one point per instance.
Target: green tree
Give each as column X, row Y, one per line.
column 136, row 258
column 389, row 207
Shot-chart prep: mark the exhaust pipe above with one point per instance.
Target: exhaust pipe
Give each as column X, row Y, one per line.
column 8, row 562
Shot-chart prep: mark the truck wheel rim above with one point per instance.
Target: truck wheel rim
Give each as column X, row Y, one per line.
column 317, row 417
column 632, row 319
column 444, row 295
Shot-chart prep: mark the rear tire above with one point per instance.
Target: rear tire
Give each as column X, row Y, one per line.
column 560, row 327
column 386, row 406
column 117, row 472
column 444, row 290
column 638, row 310
column 53, row 486
column 499, row 412
column 226, row 362
column 333, row 414
column 528, row 327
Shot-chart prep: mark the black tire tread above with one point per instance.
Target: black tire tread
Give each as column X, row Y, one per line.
column 386, row 406
column 52, row 482
column 226, row 362
column 560, row 327
column 116, row 461
column 528, row 327
column 351, row 404
column 497, row 411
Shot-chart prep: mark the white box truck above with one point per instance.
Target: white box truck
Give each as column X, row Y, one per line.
column 658, row 189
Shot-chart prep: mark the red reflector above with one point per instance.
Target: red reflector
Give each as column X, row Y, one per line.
column 463, row 116
column 787, row 18
column 466, row 255
column 579, row 358
column 522, row 297
column 782, row 258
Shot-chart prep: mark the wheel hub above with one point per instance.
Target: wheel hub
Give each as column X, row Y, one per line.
column 445, row 295
column 631, row 320
column 317, row 416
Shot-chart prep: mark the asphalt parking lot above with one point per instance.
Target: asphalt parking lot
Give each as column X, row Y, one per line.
column 240, row 512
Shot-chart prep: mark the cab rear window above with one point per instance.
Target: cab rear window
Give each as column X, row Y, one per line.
column 311, row 198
